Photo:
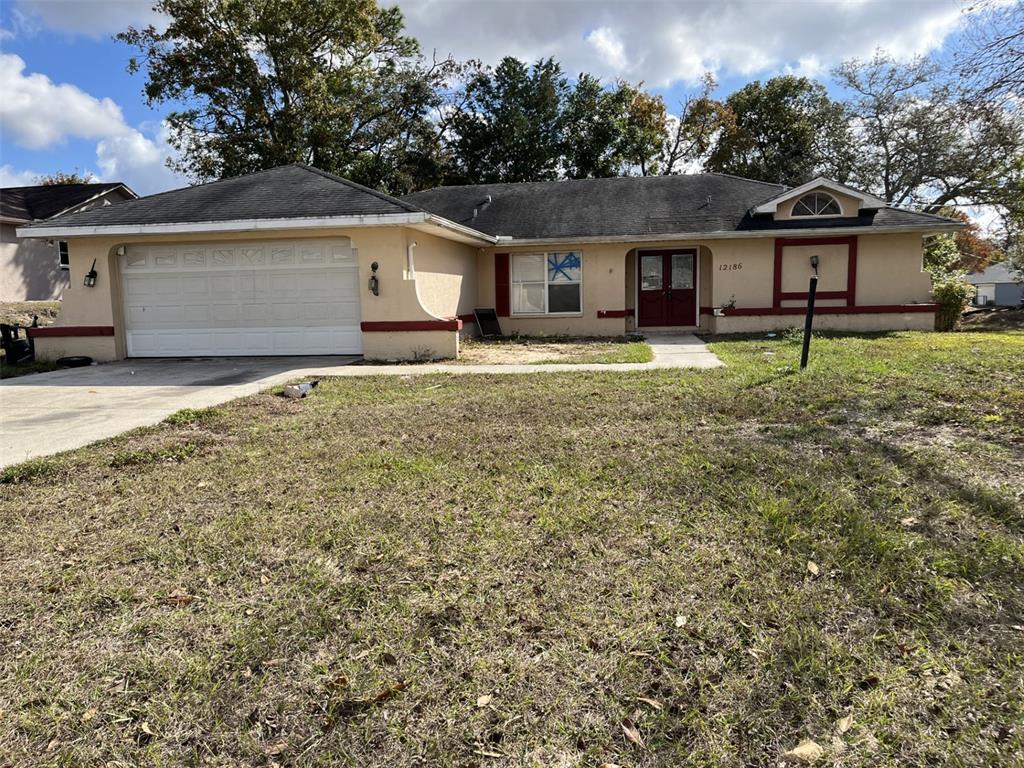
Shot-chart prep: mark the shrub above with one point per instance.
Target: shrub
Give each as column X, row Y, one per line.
column 952, row 294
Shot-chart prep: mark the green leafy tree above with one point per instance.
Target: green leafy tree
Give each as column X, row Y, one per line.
column 786, row 130
column 611, row 131
column 990, row 56
column 63, row 177
column 253, row 85
column 509, row 125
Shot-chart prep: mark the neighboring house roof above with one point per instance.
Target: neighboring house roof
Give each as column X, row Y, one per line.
column 994, row 273
column 45, row 201
column 637, row 206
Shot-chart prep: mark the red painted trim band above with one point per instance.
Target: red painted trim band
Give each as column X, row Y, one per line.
column 470, row 318
column 386, row 326
column 615, row 313
column 849, row 295
column 878, row 309
column 62, row 331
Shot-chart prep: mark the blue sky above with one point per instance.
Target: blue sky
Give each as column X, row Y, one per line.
column 68, row 101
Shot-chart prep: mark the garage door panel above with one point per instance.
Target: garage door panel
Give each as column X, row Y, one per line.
column 262, row 298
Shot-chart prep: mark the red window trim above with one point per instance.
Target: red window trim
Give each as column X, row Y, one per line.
column 849, row 295
column 68, row 331
column 502, row 285
column 390, row 326
column 615, row 313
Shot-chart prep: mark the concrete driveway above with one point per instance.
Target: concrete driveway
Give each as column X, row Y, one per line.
column 46, row 413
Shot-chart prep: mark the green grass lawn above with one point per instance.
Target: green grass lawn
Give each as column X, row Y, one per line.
column 660, row 568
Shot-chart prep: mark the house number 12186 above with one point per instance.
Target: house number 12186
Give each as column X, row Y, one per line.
column 728, row 267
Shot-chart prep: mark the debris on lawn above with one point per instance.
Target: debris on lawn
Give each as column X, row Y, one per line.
column 483, row 701
column 632, row 733
column 812, row 568
column 806, row 752
column 297, row 391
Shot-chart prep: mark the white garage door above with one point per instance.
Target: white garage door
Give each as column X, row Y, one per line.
column 265, row 297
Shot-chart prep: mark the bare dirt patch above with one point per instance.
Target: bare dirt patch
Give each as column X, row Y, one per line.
column 995, row 319
column 530, row 351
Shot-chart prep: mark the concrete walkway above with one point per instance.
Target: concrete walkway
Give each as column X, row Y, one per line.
column 46, row 413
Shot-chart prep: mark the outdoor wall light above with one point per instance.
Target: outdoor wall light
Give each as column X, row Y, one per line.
column 814, row 264
column 374, row 284
column 90, row 276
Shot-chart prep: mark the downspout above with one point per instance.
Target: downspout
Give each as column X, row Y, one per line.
column 410, row 261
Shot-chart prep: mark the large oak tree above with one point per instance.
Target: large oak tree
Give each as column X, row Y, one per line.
column 257, row 83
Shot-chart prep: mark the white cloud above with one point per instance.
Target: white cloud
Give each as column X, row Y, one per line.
column 12, row 177
column 92, row 18
column 663, row 42
column 40, row 114
column 610, row 48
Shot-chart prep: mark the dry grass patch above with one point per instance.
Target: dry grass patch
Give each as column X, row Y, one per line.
column 532, row 350
column 545, row 570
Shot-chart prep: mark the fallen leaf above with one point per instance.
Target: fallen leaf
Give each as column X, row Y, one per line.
column 680, row 621
column 388, row 659
column 812, row 567
column 844, row 724
column 632, row 734
column 390, row 691
column 146, row 729
column 180, row 599
column 650, row 703
column 609, row 765
column 89, row 714
column 805, row 753
column 483, row 701
column 277, row 749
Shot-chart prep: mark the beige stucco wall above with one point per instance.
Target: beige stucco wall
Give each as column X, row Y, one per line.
column 445, row 273
column 849, row 205
column 29, row 268
column 890, row 270
column 102, row 349
column 411, row 345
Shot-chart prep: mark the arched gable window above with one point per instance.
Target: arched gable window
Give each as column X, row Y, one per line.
column 817, row 204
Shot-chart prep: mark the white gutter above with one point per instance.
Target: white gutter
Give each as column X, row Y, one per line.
column 732, row 234
column 252, row 225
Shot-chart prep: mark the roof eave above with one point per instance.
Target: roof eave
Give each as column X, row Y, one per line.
column 53, row 228
column 97, row 196
column 735, row 234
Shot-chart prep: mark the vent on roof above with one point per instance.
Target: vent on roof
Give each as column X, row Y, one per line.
column 483, row 204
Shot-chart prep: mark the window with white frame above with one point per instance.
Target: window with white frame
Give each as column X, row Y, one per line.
column 62, row 254
column 547, row 283
column 816, row 204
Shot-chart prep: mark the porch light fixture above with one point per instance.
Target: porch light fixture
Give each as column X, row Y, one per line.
column 814, row 264
column 90, row 276
column 374, row 284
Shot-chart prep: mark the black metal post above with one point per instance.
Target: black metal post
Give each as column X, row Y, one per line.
column 812, row 289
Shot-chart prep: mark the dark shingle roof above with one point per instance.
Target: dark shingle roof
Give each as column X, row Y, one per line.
column 42, row 202
column 624, row 206
column 291, row 191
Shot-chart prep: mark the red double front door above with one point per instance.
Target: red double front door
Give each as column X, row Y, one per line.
column 668, row 287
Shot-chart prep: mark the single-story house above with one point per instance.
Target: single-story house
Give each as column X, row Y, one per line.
column 997, row 286
column 294, row 260
column 37, row 270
